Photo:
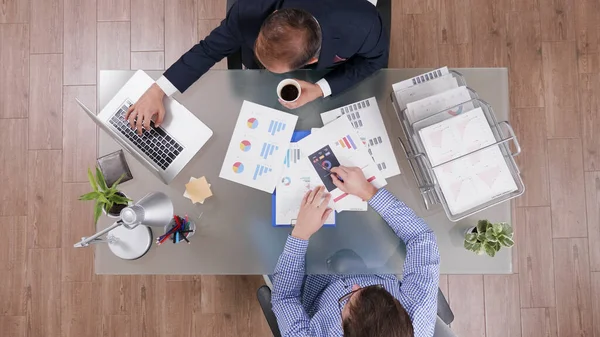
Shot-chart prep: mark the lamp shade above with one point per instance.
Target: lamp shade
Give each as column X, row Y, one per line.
column 155, row 210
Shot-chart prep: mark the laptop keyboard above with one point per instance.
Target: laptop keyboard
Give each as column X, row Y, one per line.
column 155, row 143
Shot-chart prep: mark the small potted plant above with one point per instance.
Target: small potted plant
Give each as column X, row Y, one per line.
column 488, row 237
column 108, row 199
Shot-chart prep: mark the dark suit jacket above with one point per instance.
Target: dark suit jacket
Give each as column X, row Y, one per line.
column 351, row 30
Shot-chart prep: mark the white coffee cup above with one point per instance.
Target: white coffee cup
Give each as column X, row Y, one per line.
column 288, row 83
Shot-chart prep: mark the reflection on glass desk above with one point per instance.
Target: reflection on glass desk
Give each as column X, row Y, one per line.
column 235, row 235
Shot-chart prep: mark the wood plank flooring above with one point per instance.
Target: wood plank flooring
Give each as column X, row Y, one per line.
column 51, row 51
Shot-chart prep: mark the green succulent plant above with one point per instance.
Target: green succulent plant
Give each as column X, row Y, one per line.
column 105, row 197
column 489, row 238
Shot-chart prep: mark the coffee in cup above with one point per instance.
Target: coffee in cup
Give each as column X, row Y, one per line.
column 288, row 90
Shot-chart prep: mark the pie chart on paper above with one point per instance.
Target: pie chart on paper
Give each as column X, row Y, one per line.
column 245, row 145
column 252, row 123
column 238, row 167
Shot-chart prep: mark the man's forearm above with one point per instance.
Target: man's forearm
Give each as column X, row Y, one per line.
column 287, row 284
column 401, row 218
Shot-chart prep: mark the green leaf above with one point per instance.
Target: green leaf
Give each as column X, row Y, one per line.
column 90, row 196
column 116, row 183
column 97, row 211
column 102, row 198
column 477, row 248
column 507, row 229
column 489, row 250
column 117, row 199
column 100, row 179
column 92, row 180
column 490, row 236
column 108, row 206
column 482, row 226
column 481, row 237
column 506, row 241
column 468, row 245
column 471, row 237
column 497, row 228
column 496, row 246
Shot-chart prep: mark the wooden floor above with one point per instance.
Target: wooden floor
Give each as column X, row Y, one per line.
column 51, row 50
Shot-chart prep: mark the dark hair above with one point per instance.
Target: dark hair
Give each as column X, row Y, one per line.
column 376, row 313
column 292, row 36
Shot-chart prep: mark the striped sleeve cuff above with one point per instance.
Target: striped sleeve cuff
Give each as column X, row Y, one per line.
column 381, row 200
column 295, row 246
column 167, row 87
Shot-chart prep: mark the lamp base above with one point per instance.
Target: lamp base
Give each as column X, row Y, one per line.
column 130, row 244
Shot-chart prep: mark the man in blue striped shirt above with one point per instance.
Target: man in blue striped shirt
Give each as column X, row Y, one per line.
column 357, row 305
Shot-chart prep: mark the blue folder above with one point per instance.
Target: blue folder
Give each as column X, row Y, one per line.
column 298, row 134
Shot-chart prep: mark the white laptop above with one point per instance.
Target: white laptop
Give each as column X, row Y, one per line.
column 164, row 150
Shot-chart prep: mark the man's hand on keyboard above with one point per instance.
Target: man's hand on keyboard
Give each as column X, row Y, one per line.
column 140, row 114
column 351, row 180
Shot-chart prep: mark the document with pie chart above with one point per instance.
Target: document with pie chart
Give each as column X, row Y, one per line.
column 339, row 144
column 259, row 143
column 467, row 177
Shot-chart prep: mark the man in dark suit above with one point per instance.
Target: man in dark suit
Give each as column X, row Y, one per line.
column 281, row 35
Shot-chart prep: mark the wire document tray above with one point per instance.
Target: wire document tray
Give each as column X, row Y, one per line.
column 425, row 173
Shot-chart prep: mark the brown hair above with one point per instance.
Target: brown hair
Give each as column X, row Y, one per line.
column 290, row 36
column 376, row 313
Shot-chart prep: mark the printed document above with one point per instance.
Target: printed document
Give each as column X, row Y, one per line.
column 258, row 146
column 479, row 176
column 298, row 178
column 366, row 118
column 448, row 102
column 425, row 89
column 338, row 144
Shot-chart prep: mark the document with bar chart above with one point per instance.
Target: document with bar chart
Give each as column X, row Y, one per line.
column 366, row 118
column 258, row 146
column 338, row 144
column 297, row 178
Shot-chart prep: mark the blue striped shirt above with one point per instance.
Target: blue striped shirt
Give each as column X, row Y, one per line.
column 310, row 307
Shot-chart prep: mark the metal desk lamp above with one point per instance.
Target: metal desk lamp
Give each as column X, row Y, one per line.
column 130, row 237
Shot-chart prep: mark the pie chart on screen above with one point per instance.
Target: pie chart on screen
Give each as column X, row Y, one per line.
column 326, row 164
column 245, row 145
column 238, row 167
column 252, row 123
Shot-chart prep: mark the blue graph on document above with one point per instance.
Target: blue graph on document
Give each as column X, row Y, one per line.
column 260, row 170
column 267, row 150
column 276, row 126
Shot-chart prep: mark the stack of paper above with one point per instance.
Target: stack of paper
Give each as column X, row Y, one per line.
column 476, row 178
column 338, row 144
column 298, row 177
column 366, row 119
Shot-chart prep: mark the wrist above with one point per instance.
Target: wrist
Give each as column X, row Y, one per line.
column 158, row 90
column 299, row 234
column 318, row 90
column 368, row 193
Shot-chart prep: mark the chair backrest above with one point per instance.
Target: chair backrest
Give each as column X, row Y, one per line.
column 442, row 330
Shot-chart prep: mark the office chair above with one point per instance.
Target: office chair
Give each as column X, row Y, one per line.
column 234, row 61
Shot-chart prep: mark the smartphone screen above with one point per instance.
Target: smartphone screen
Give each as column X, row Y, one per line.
column 323, row 161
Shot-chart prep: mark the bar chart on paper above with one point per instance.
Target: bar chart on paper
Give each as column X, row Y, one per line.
column 260, row 170
column 346, row 142
column 292, row 157
column 258, row 147
column 276, row 126
column 267, row 150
